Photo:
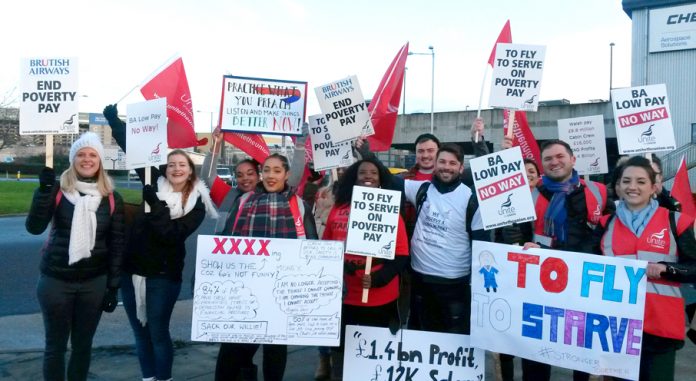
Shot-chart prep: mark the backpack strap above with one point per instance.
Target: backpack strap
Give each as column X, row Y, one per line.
column 112, row 202
column 421, row 196
column 297, row 216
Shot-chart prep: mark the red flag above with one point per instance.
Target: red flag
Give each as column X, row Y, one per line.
column 384, row 106
column 253, row 145
column 681, row 190
column 172, row 84
column 505, row 37
column 523, row 137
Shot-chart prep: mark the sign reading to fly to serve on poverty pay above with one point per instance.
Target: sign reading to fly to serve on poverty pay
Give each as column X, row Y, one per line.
column 345, row 110
column 325, row 153
column 263, row 106
column 146, row 133
column 373, row 224
column 49, row 102
column 517, row 72
column 502, row 188
column 643, row 120
column 586, row 137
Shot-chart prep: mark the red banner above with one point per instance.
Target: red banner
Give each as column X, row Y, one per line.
column 681, row 190
column 384, row 107
column 171, row 83
column 523, row 137
column 253, row 145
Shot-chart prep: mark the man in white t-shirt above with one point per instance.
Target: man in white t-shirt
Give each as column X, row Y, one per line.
column 447, row 222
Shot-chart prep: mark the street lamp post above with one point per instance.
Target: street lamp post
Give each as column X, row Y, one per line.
column 611, row 67
column 432, row 84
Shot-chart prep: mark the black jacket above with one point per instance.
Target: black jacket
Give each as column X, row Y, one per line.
column 108, row 249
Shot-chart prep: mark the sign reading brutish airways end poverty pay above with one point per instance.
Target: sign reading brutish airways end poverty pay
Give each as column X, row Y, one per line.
column 48, row 103
column 502, row 188
column 571, row 310
column 263, row 106
column 516, row 79
column 586, row 138
column 373, row 223
column 267, row 290
column 345, row 110
column 325, row 153
column 146, row 133
column 643, row 120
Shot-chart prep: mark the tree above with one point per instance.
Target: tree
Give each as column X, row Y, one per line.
column 9, row 119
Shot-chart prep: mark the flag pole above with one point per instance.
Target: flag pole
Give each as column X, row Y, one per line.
column 478, row 111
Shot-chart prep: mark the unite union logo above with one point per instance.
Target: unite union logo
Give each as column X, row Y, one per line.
column 658, row 239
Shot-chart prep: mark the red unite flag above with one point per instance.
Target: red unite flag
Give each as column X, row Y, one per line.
column 252, row 144
column 504, row 37
column 681, row 190
column 523, row 137
column 384, row 107
column 171, row 83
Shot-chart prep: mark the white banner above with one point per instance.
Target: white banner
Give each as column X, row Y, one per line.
column 374, row 219
column 516, row 79
column 586, row 137
column 146, row 133
column 643, row 120
column 344, row 109
column 572, row 310
column 375, row 354
column 672, row 28
column 502, row 188
column 263, row 106
column 326, row 154
column 49, row 102
column 267, row 290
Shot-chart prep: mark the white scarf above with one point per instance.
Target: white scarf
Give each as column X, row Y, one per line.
column 174, row 201
column 84, row 221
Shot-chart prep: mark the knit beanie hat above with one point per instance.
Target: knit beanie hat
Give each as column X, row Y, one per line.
column 88, row 139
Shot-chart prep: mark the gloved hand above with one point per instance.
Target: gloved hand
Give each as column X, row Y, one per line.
column 150, row 195
column 110, row 300
column 47, row 179
column 111, row 112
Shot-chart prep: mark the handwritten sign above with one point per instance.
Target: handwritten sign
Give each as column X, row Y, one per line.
column 374, row 218
column 517, row 72
column 344, row 109
column 267, row 290
column 572, row 310
column 502, row 188
column 586, row 137
column 373, row 353
column 146, row 133
column 643, row 120
column 263, row 106
column 49, row 102
column 326, row 154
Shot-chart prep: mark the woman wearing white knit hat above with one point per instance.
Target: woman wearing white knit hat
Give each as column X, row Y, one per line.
column 81, row 260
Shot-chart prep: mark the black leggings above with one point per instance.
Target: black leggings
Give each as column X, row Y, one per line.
column 233, row 357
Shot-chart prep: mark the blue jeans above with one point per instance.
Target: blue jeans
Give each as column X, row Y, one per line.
column 70, row 310
column 153, row 341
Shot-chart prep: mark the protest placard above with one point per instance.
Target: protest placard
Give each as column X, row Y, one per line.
column 263, row 106
column 516, row 79
column 374, row 218
column 586, row 137
column 643, row 120
column 267, row 290
column 502, row 188
column 49, row 102
column 326, row 154
column 146, row 133
column 344, row 109
column 373, row 353
column 572, row 310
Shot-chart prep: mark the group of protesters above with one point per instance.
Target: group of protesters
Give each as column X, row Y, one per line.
column 91, row 251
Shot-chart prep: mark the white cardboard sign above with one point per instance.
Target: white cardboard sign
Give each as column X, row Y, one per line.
column 344, row 109
column 267, row 290
column 373, row 223
column 643, row 120
column 516, row 79
column 502, row 188
column 326, row 154
column 571, row 310
column 146, row 133
column 49, row 102
column 373, row 353
column 586, row 137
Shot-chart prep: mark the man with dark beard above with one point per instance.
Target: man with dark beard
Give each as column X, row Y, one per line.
column 447, row 221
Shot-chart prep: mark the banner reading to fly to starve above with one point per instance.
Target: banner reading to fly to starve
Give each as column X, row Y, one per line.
column 325, row 153
column 49, row 101
column 572, row 310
